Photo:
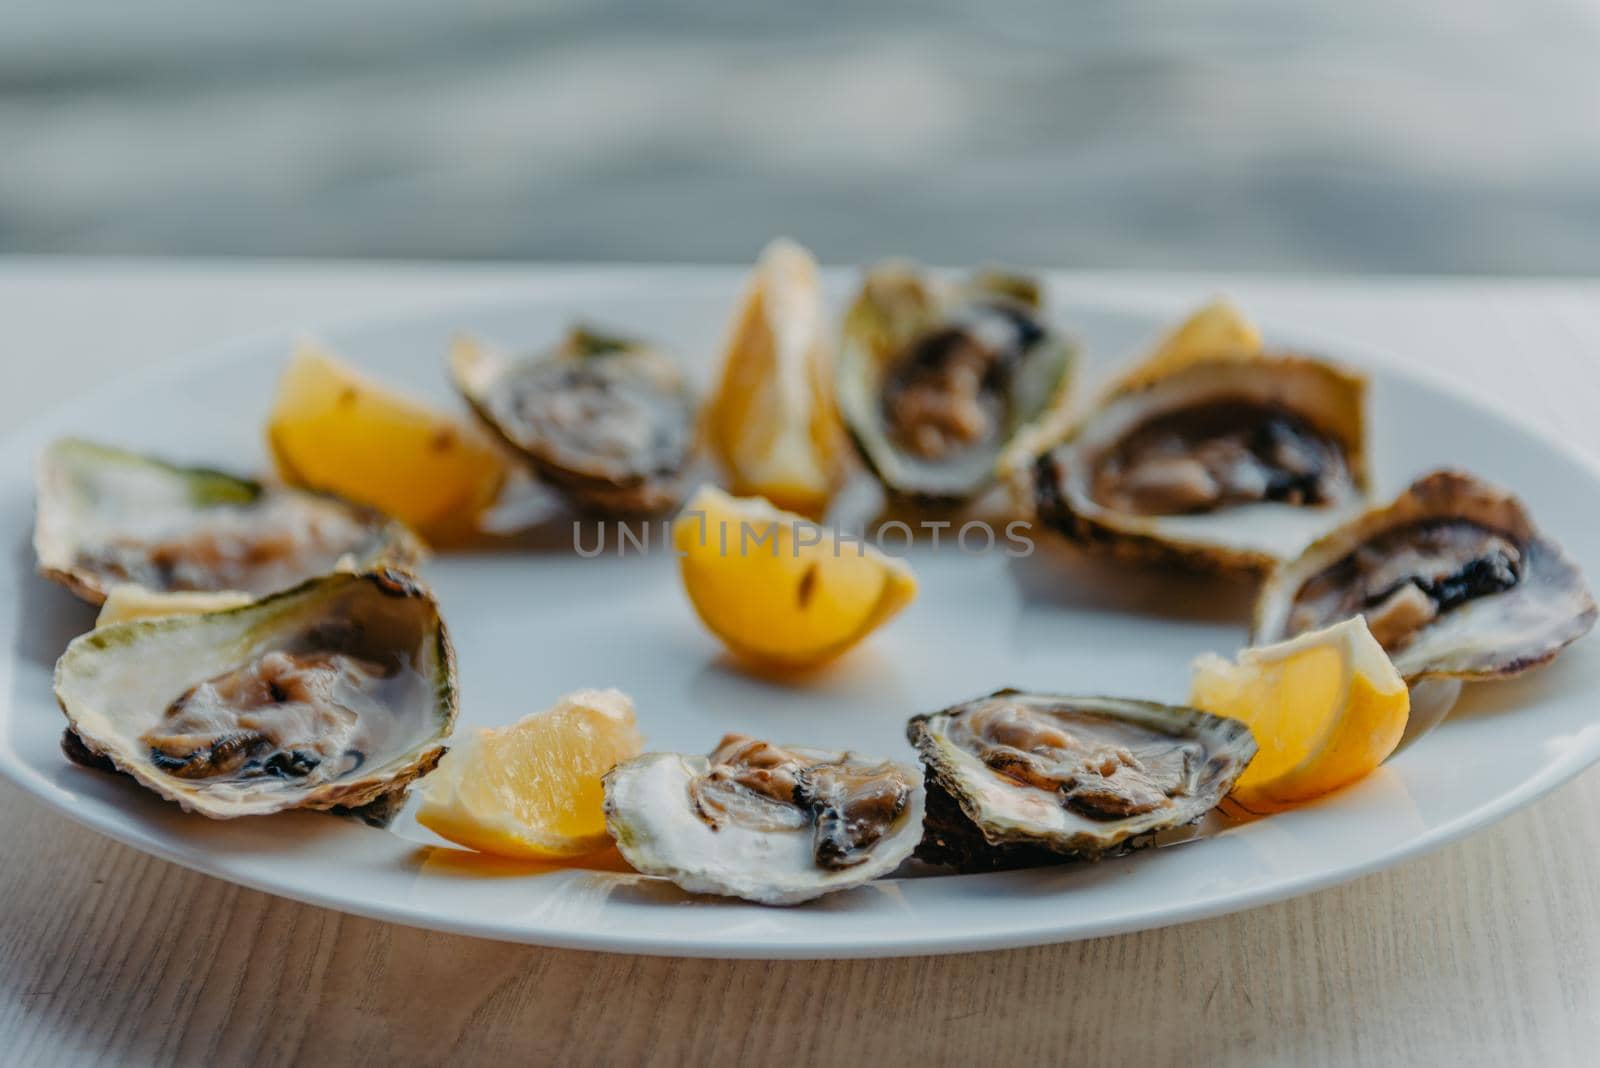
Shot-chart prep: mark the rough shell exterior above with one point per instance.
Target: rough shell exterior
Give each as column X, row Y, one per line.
column 479, row 371
column 64, row 503
column 963, row 830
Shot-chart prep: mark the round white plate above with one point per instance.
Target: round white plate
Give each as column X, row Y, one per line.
column 532, row 624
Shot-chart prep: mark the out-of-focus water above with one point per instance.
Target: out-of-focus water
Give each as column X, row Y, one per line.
column 1405, row 135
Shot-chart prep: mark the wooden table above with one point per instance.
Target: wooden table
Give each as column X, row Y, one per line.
column 1482, row 952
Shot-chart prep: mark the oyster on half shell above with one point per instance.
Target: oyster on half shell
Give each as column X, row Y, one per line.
column 1017, row 779
column 333, row 694
column 1222, row 462
column 107, row 517
column 775, row 825
column 607, row 421
column 934, row 381
column 1453, row 577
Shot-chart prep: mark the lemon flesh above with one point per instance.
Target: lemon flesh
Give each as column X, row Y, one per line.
column 1326, row 708
column 334, row 429
column 532, row 789
column 778, row 589
column 772, row 421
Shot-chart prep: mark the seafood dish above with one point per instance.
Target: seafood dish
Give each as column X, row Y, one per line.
column 266, row 646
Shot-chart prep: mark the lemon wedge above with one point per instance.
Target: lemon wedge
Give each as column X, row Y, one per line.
column 1326, row 708
column 777, row 588
column 772, row 422
column 1215, row 331
column 334, row 429
column 532, row 789
column 1216, row 326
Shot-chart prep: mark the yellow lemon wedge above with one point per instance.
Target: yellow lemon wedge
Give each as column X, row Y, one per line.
column 1215, row 331
column 532, row 789
column 334, row 429
column 777, row 588
column 1216, row 326
column 771, row 421
column 1326, row 708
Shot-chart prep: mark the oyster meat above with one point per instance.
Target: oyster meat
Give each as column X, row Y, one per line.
column 933, row 383
column 1017, row 779
column 335, row 693
column 607, row 421
column 1453, row 577
column 1223, row 462
column 107, row 517
column 776, row 825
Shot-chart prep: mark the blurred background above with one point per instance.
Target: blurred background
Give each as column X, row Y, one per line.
column 1371, row 135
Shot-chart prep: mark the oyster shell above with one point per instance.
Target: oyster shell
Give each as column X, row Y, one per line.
column 332, row 694
column 128, row 602
column 108, row 517
column 1222, row 462
column 1016, row 779
column 933, row 383
column 1453, row 577
column 607, row 421
column 774, row 825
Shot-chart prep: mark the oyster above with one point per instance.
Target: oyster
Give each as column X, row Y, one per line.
column 769, row 824
column 933, row 384
column 1016, row 779
column 1222, row 462
column 607, row 421
column 335, row 693
column 107, row 517
column 1454, row 580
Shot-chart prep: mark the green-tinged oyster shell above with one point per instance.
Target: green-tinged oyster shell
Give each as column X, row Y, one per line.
column 106, row 516
column 333, row 694
column 1001, row 796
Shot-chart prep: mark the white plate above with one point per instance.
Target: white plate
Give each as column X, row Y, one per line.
column 529, row 626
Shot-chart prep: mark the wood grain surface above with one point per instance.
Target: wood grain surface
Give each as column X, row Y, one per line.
column 1483, row 952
